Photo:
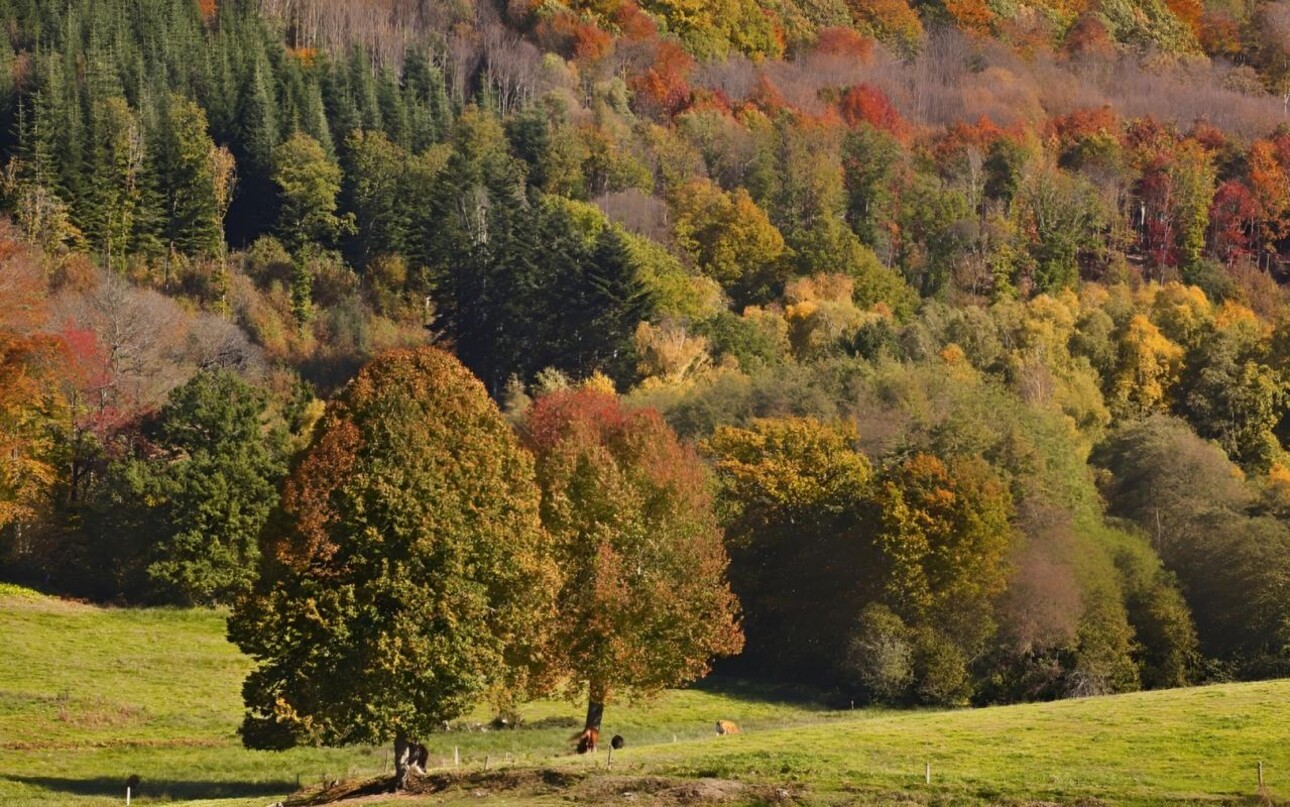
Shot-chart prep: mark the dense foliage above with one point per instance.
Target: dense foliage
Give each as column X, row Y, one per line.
column 975, row 309
column 406, row 575
column 193, row 497
column 644, row 604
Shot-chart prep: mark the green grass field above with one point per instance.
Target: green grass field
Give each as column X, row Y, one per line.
column 90, row 696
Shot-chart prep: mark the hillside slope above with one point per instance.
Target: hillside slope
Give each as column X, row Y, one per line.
column 89, row 696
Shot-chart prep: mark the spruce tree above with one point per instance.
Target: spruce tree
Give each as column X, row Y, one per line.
column 257, row 119
column 114, row 192
column 362, row 85
column 394, row 113
column 201, row 510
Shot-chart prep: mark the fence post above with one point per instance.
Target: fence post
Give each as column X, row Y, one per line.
column 927, row 772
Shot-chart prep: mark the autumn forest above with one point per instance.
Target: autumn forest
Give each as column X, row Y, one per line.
column 912, row 351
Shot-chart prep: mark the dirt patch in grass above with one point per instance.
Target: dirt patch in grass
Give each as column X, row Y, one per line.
column 662, row 791
column 657, row 790
column 532, row 780
column 578, row 788
column 99, row 713
column 536, row 781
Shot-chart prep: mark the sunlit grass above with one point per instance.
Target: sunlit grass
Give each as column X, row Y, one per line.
column 90, row 696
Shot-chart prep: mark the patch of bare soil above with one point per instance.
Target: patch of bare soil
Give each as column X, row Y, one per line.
column 576, row 787
column 530, row 780
column 334, row 792
column 659, row 791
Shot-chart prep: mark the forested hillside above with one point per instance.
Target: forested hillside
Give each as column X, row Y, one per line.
column 973, row 309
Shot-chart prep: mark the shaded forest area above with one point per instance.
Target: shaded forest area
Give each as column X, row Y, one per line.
column 974, row 308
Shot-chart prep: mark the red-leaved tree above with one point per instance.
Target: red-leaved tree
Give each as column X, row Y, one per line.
column 645, row 603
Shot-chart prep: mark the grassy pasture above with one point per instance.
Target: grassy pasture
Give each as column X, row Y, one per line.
column 89, row 696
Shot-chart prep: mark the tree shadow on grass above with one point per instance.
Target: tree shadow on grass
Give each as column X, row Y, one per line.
column 754, row 691
column 156, row 789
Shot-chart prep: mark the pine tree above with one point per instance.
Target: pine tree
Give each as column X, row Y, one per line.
column 258, row 132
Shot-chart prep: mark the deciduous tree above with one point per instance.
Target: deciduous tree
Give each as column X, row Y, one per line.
column 405, row 574
column 645, row 602
column 794, row 497
column 731, row 240
column 309, row 182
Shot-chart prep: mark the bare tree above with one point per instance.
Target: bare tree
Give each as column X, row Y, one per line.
column 638, row 212
column 512, row 67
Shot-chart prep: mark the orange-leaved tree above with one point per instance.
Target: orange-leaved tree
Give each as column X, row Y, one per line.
column 27, row 359
column 645, row 603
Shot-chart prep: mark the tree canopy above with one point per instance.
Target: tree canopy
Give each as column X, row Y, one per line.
column 406, row 574
column 645, row 604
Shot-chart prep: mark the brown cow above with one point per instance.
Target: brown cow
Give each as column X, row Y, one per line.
column 727, row 727
column 587, row 740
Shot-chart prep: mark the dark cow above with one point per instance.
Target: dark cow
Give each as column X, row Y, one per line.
column 418, row 756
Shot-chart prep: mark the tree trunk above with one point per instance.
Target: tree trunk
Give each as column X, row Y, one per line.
column 402, row 753
column 590, row 735
column 595, row 712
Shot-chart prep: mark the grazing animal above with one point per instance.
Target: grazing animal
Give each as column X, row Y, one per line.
column 587, row 740
column 418, row 756
column 727, row 727
column 617, row 743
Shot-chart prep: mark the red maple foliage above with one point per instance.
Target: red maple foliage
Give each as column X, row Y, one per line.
column 1231, row 220
column 1075, row 126
column 865, row 103
column 635, row 25
column 959, row 137
column 664, row 88
column 590, row 43
column 844, row 42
